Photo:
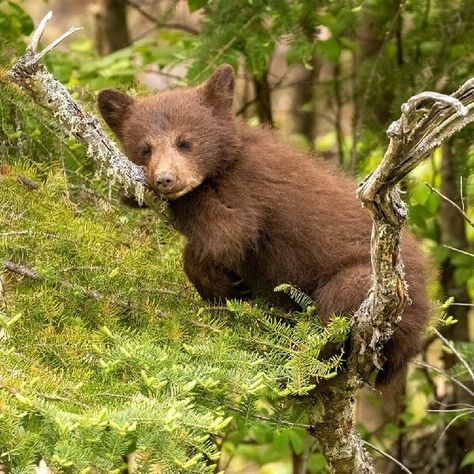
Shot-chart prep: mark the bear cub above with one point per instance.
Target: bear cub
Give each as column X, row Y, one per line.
column 256, row 212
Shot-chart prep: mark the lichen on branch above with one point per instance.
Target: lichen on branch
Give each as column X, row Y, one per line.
column 31, row 75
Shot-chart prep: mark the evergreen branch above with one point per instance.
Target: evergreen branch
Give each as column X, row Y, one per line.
column 26, row 271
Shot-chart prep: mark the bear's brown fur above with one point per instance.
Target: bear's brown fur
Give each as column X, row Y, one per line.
column 255, row 211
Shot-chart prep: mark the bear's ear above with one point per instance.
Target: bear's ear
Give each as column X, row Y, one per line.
column 113, row 106
column 218, row 90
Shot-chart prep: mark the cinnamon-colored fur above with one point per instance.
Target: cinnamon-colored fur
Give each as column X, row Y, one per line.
column 256, row 212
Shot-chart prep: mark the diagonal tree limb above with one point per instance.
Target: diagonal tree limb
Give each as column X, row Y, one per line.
column 31, row 75
column 427, row 120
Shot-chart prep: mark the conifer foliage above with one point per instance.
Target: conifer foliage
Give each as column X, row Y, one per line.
column 106, row 349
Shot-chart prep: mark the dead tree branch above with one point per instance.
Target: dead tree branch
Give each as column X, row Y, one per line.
column 461, row 211
column 427, row 120
column 31, row 75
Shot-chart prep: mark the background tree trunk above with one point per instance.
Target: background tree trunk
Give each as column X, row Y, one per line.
column 112, row 30
column 264, row 99
column 304, row 102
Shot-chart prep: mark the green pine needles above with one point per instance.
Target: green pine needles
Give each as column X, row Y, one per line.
column 107, row 354
column 106, row 349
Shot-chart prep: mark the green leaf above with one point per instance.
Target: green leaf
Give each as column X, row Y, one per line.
column 316, row 464
column 196, row 4
column 330, row 49
column 468, row 459
column 297, row 439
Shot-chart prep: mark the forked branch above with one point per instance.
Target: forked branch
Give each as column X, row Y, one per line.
column 30, row 74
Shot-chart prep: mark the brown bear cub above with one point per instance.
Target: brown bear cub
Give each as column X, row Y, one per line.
column 255, row 211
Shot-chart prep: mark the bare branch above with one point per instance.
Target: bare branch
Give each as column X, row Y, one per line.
column 442, row 196
column 158, row 23
column 32, row 76
column 454, row 249
column 444, row 374
column 457, row 354
column 388, row 456
column 38, row 33
column 52, row 45
column 456, row 418
column 420, row 100
column 22, row 270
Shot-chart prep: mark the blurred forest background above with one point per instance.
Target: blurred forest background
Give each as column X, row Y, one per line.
column 106, row 351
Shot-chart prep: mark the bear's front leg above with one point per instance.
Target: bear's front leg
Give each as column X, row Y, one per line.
column 212, row 281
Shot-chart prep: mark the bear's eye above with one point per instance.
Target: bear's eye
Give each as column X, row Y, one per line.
column 145, row 151
column 183, row 144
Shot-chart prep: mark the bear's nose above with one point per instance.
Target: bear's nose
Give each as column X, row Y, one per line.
column 165, row 180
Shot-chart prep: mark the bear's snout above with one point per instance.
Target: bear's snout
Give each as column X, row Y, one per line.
column 165, row 181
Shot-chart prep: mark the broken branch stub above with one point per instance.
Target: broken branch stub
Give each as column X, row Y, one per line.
column 30, row 74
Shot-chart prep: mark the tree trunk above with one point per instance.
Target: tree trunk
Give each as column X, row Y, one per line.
column 112, row 30
column 304, row 102
column 264, row 99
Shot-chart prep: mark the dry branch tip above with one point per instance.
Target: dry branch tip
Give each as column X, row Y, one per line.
column 38, row 33
column 418, row 100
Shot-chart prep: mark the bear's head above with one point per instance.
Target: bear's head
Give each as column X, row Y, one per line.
column 182, row 137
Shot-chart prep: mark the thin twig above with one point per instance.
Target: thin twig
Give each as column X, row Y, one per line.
column 454, row 249
column 441, row 195
column 52, row 45
column 444, row 374
column 158, row 23
column 388, row 456
column 461, row 193
column 451, row 410
column 38, row 33
column 456, row 353
column 451, row 423
column 22, row 270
